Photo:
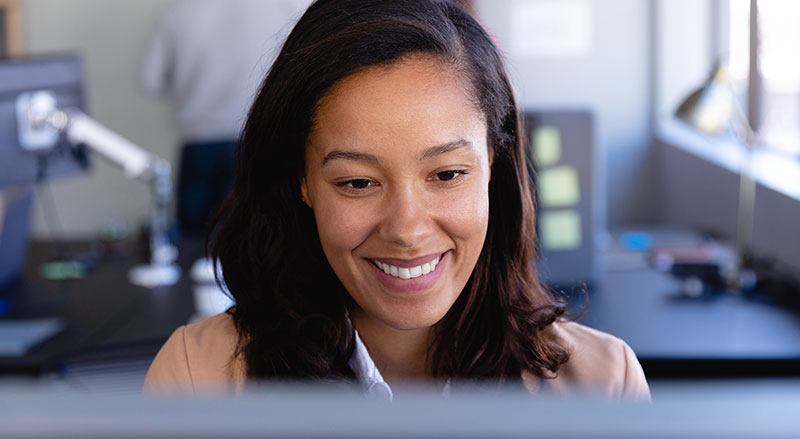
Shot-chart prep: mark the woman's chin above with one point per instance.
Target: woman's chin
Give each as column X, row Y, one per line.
column 410, row 319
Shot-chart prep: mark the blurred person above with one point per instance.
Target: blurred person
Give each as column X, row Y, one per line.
column 380, row 229
column 207, row 57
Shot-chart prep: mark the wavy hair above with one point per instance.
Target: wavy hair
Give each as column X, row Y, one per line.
column 291, row 310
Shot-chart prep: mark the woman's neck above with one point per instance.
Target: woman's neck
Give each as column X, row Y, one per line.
column 400, row 355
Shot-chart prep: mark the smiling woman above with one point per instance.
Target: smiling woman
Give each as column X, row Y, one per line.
column 402, row 212
column 380, row 228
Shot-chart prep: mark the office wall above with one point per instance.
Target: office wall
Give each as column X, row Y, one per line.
column 613, row 80
column 110, row 35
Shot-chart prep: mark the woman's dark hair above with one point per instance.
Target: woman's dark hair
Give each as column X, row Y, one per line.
column 291, row 309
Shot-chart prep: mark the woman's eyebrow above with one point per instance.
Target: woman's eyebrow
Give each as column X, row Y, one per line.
column 428, row 153
column 349, row 155
column 445, row 148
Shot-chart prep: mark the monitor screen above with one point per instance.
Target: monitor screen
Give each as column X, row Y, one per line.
column 61, row 75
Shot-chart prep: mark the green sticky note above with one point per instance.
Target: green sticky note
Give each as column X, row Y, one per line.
column 558, row 187
column 560, row 230
column 546, row 141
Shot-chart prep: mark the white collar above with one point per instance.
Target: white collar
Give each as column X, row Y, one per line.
column 369, row 375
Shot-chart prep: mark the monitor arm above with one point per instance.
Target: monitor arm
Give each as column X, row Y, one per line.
column 40, row 120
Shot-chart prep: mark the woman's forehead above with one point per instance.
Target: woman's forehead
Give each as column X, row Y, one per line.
column 413, row 102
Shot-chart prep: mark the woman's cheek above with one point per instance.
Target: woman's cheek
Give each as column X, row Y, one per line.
column 465, row 214
column 344, row 223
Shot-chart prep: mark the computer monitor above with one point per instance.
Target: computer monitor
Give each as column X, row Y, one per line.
column 62, row 75
column 21, row 169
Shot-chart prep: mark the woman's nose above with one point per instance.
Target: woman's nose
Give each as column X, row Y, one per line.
column 406, row 220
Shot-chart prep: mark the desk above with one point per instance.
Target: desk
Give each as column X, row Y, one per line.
column 718, row 335
column 673, row 337
column 102, row 312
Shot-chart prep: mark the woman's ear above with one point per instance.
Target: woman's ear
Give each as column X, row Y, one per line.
column 304, row 192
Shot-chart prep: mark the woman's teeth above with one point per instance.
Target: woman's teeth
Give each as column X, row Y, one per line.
column 407, row 273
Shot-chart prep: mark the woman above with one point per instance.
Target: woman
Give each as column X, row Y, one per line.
column 381, row 226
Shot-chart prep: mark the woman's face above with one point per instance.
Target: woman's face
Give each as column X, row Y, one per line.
column 397, row 174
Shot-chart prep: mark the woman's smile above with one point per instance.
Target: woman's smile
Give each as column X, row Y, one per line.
column 409, row 276
column 409, row 268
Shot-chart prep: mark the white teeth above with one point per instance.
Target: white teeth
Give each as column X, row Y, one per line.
column 410, row 272
column 404, row 273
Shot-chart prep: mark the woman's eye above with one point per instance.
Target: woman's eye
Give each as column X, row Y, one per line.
column 359, row 183
column 449, row 175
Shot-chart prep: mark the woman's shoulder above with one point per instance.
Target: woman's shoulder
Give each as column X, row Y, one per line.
column 218, row 328
column 599, row 363
column 196, row 358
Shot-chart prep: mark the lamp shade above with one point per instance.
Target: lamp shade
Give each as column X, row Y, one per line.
column 709, row 108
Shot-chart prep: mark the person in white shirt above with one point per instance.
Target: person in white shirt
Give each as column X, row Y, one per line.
column 208, row 57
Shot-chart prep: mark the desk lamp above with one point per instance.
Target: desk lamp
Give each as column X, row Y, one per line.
column 711, row 109
column 40, row 122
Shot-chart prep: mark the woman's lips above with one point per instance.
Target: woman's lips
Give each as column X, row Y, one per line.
column 406, row 278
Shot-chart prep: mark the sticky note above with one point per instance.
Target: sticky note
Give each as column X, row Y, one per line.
column 546, row 142
column 558, row 187
column 560, row 230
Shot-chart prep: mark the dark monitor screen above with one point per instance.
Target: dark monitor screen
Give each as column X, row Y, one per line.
column 20, row 170
column 61, row 75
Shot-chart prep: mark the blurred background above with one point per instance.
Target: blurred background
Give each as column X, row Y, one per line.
column 677, row 230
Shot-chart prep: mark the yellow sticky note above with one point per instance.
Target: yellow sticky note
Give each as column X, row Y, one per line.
column 560, row 230
column 558, row 187
column 546, row 141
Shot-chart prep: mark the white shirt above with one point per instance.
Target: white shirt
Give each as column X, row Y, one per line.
column 209, row 57
column 369, row 375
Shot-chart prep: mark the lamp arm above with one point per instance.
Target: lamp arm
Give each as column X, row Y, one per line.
column 745, row 215
column 750, row 136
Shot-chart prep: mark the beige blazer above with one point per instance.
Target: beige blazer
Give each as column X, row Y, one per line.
column 198, row 359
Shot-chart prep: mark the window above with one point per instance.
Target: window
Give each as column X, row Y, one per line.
column 765, row 71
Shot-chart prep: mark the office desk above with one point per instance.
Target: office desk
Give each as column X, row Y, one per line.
column 102, row 312
column 673, row 336
column 720, row 334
